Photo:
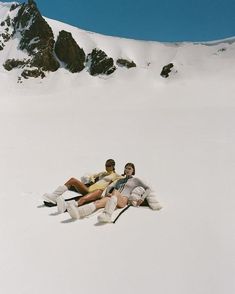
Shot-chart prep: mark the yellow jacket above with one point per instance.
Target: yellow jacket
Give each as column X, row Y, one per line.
column 105, row 179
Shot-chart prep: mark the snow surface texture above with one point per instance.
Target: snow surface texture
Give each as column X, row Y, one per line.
column 180, row 134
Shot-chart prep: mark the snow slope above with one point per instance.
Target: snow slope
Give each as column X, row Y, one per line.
column 179, row 132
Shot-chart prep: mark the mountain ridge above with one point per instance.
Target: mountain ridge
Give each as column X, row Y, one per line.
column 32, row 46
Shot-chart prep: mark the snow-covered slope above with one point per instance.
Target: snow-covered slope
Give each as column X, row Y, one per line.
column 153, row 53
column 178, row 131
column 189, row 59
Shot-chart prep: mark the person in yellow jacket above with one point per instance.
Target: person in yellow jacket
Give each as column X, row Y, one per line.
column 91, row 191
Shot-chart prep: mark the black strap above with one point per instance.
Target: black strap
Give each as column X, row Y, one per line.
column 121, row 213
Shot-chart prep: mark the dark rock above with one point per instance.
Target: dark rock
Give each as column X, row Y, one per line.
column 99, row 63
column 36, row 37
column 13, row 63
column 33, row 73
column 7, row 31
column 19, row 80
column 6, row 37
column 45, row 60
column 32, row 3
column 14, row 6
column 8, row 20
column 68, row 51
column 125, row 63
column 33, row 28
column 35, row 31
column 222, row 50
column 166, row 70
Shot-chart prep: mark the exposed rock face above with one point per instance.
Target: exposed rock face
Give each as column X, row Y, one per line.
column 6, row 31
column 68, row 51
column 33, row 73
column 36, row 37
column 99, row 63
column 14, row 6
column 125, row 63
column 13, row 63
column 166, row 70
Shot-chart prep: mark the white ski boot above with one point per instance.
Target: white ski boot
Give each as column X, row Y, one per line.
column 106, row 215
column 62, row 205
column 52, row 197
column 82, row 211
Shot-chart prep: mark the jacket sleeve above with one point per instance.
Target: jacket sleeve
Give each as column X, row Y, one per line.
column 146, row 187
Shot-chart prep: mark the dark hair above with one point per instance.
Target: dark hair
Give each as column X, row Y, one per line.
column 132, row 165
column 110, row 162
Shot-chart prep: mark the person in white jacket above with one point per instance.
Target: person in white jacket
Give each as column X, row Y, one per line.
column 117, row 195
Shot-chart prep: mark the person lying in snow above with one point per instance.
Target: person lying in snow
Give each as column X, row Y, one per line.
column 117, row 195
column 91, row 190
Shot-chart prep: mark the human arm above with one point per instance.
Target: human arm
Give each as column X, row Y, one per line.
column 109, row 189
column 96, row 177
column 114, row 178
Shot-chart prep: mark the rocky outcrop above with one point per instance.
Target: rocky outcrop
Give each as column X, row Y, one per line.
column 68, row 51
column 125, row 63
column 26, row 65
column 99, row 63
column 6, row 31
column 13, row 63
column 33, row 73
column 14, row 6
column 166, row 70
column 36, row 37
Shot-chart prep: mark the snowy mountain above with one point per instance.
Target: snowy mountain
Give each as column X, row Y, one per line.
column 178, row 130
column 33, row 46
column 23, row 28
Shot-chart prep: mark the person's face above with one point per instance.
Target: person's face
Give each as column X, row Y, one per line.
column 109, row 168
column 128, row 171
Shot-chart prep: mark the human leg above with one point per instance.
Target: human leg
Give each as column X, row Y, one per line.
column 82, row 211
column 116, row 200
column 85, row 210
column 121, row 200
column 78, row 185
column 110, row 206
column 92, row 196
column 62, row 205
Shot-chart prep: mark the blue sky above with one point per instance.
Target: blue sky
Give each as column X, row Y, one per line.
column 165, row 20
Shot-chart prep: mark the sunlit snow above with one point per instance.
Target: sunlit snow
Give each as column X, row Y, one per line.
column 179, row 132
